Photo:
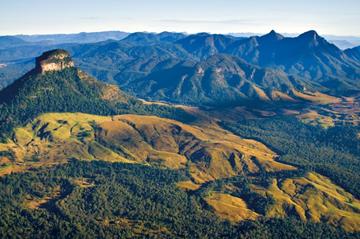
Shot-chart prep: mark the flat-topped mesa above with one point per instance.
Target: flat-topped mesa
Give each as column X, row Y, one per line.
column 54, row 60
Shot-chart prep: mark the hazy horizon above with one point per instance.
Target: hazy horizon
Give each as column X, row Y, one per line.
column 213, row 16
column 245, row 34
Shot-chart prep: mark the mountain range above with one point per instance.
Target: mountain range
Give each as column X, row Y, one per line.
column 202, row 65
column 242, row 67
column 70, row 143
column 82, row 37
column 197, row 134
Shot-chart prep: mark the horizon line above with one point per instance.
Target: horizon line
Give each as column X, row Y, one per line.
column 289, row 34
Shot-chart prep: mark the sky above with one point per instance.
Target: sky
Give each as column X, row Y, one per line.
column 334, row 17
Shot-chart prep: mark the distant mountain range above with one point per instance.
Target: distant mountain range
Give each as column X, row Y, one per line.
column 342, row 42
column 82, row 37
column 208, row 68
column 10, row 41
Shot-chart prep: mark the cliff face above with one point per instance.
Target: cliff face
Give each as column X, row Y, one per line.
column 55, row 60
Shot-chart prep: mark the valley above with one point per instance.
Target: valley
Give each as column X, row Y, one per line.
column 230, row 136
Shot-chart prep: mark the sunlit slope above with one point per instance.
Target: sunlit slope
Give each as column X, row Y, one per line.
column 52, row 139
column 208, row 153
column 310, row 198
column 314, row 198
column 230, row 207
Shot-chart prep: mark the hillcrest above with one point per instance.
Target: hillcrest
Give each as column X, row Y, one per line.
column 54, row 60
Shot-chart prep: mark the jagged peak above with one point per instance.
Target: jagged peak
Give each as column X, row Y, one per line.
column 54, row 60
column 273, row 35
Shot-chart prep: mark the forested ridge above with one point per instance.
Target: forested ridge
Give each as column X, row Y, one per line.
column 65, row 91
column 125, row 201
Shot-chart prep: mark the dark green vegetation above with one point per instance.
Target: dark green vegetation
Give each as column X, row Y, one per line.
column 333, row 152
column 69, row 91
column 124, row 201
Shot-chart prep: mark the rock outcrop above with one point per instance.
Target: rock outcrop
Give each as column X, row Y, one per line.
column 54, row 60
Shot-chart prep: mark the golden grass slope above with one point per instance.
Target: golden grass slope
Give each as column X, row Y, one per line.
column 280, row 96
column 313, row 197
column 230, row 208
column 315, row 97
column 188, row 185
column 208, row 152
column 314, row 118
column 54, row 138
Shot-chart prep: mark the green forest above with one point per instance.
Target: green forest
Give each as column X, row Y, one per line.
column 125, row 201
column 65, row 91
column 333, row 152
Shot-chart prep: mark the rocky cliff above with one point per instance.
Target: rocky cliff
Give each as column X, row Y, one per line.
column 54, row 60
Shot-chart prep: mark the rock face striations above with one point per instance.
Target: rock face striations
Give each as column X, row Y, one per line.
column 54, row 60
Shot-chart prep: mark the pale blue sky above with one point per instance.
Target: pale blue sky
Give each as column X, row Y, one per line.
column 337, row 17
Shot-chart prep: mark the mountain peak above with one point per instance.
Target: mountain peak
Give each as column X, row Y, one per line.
column 312, row 39
column 54, row 60
column 272, row 35
column 311, row 35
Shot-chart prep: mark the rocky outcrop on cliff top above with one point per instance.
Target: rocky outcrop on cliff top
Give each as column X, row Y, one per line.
column 55, row 60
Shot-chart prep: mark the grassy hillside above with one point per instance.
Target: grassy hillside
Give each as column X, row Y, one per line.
column 239, row 179
column 208, row 153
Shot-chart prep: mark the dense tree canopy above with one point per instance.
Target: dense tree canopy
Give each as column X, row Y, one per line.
column 333, row 152
column 124, row 201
